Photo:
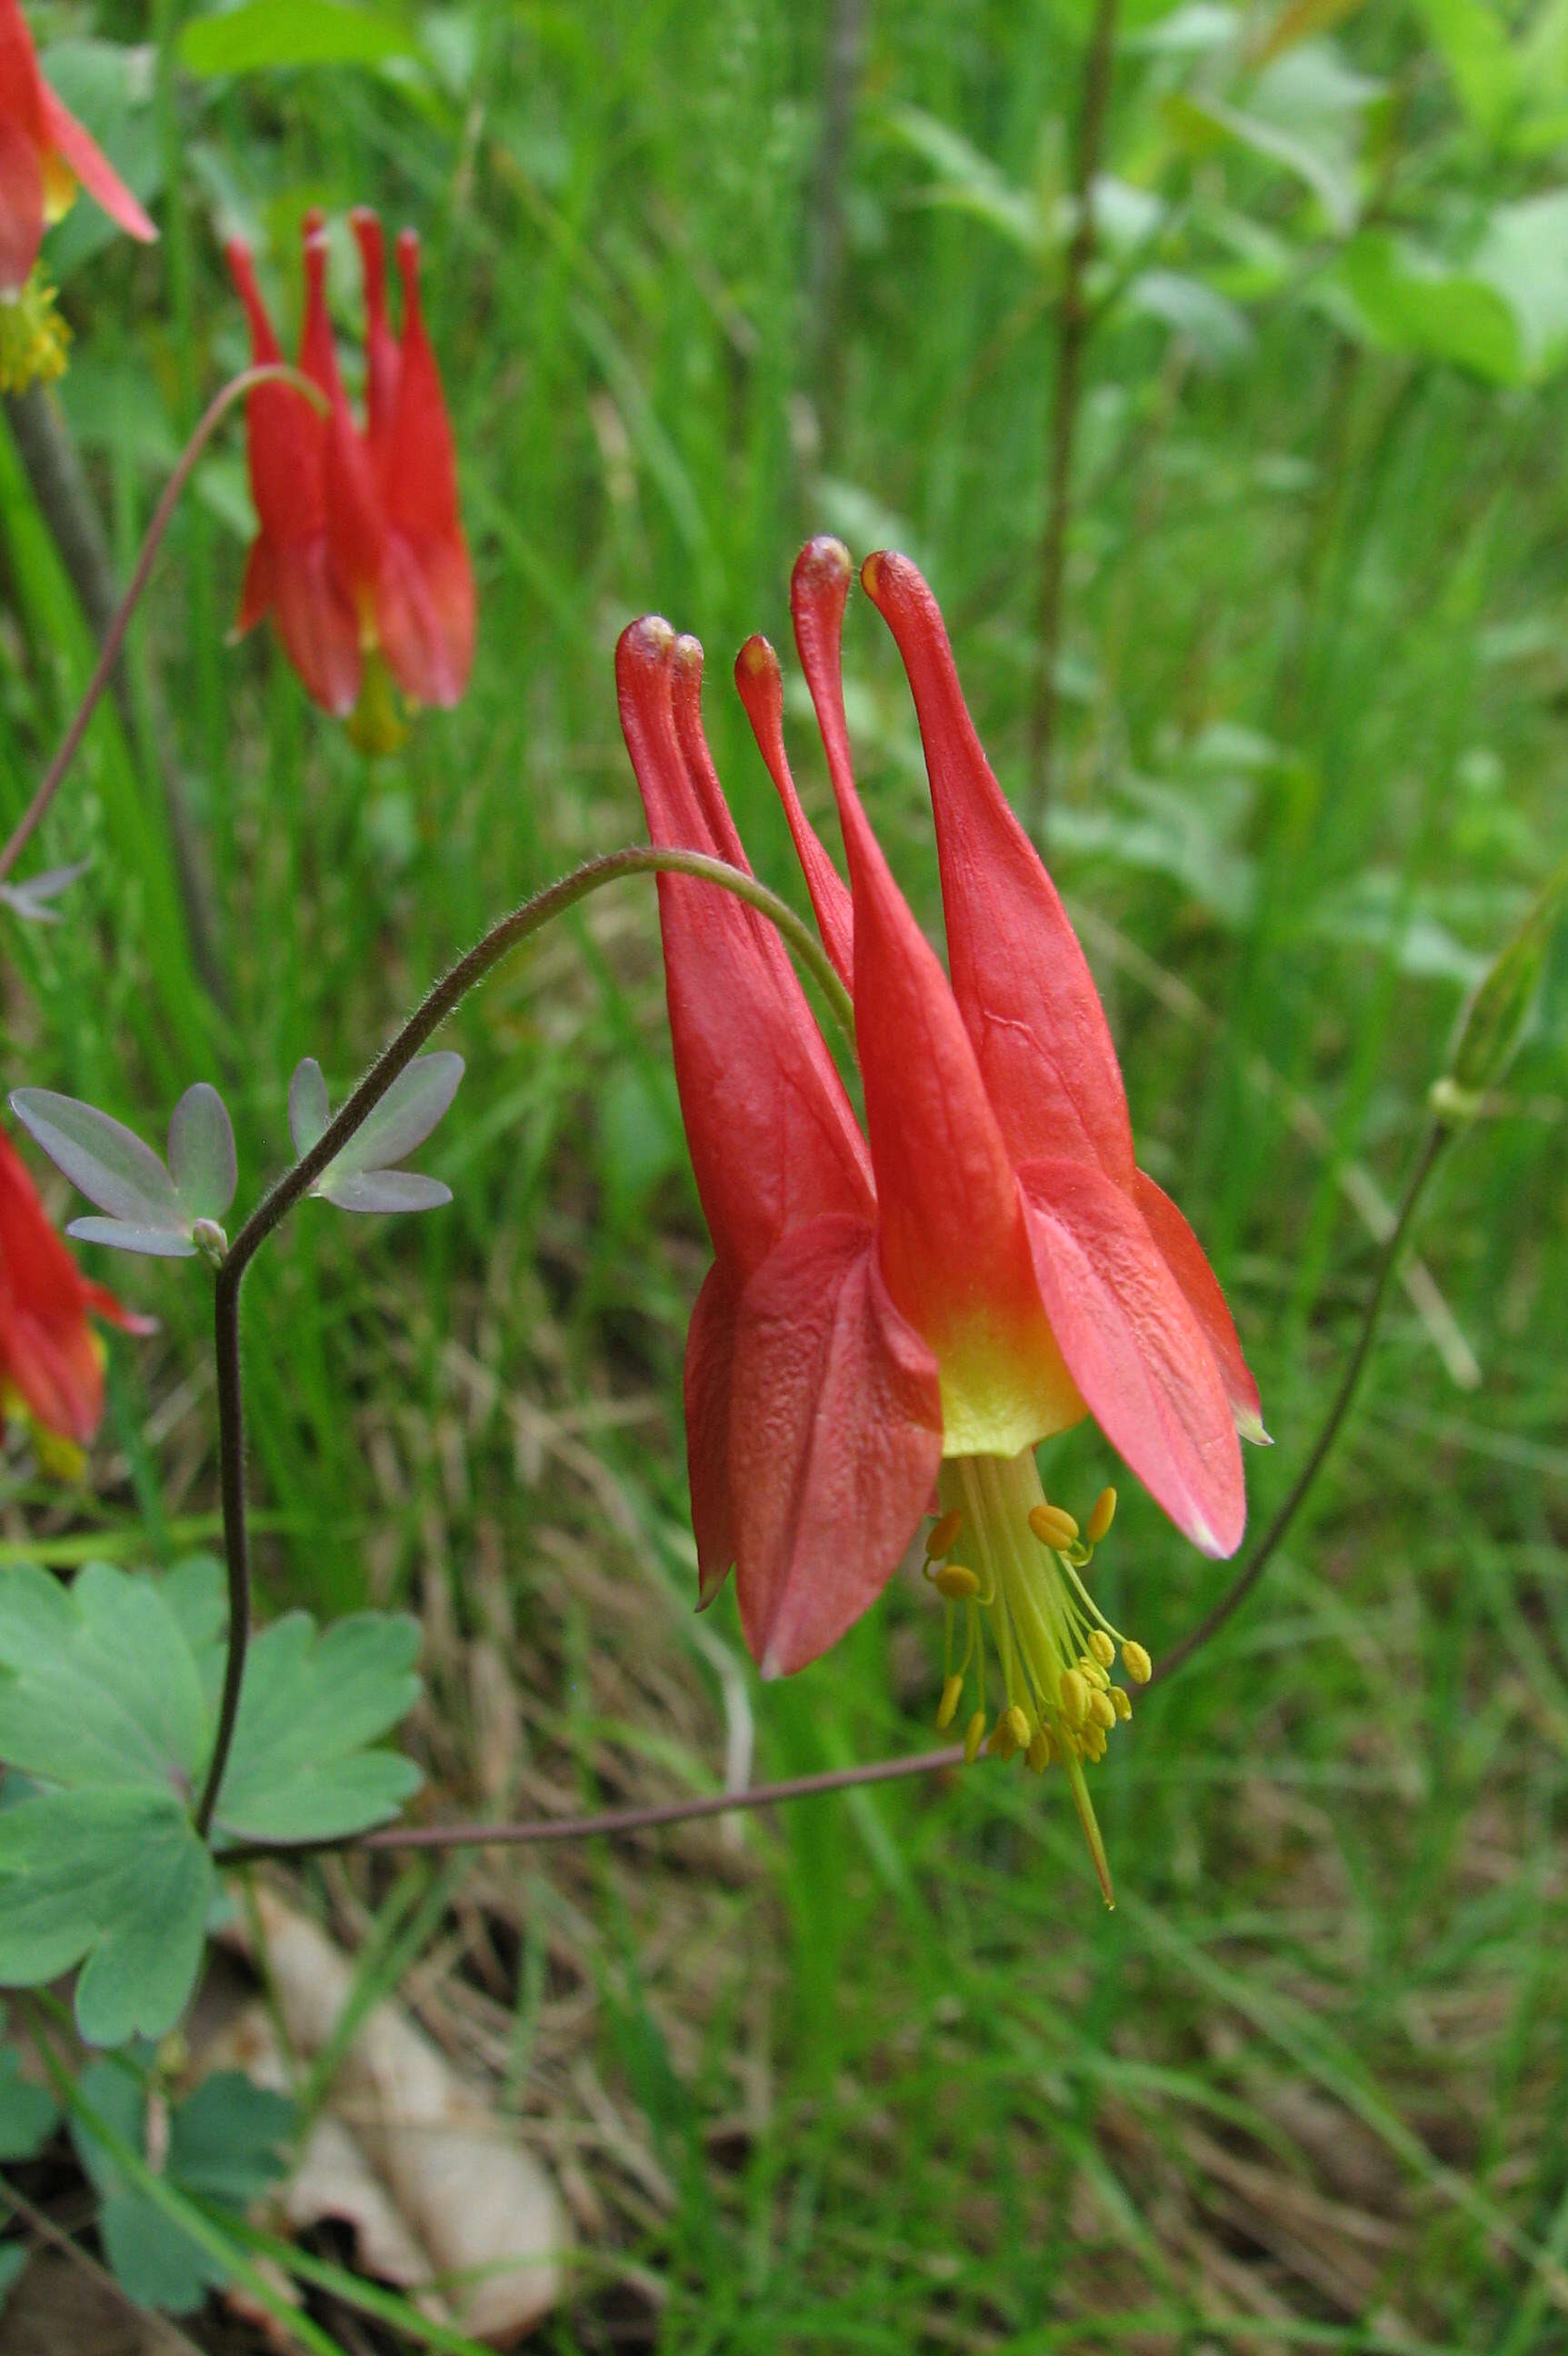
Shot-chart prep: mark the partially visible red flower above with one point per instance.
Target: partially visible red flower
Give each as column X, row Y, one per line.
column 360, row 557
column 895, row 1319
column 44, row 153
column 51, row 1361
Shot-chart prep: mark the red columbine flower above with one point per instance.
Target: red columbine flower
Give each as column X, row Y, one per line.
column 44, row 153
column 902, row 1315
column 360, row 557
column 51, row 1361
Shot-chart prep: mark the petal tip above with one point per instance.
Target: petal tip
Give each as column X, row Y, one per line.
column 755, row 659
column 1250, row 1427
column 824, row 558
column 649, row 639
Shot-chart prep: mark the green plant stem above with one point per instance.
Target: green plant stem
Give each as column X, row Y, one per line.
column 1437, row 1137
column 114, row 635
column 394, row 1058
column 1074, row 323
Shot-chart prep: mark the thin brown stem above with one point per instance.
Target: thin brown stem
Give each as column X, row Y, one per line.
column 1268, row 1546
column 393, row 1059
column 120, row 621
column 535, row 1830
column 1073, row 327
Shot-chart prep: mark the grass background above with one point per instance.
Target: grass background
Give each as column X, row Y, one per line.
column 881, row 2074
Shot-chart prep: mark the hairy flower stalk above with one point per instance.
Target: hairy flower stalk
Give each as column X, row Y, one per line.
column 909, row 1309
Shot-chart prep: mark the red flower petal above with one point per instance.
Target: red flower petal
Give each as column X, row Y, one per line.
column 257, row 591
column 429, row 631
column 1018, row 973
column 953, row 1246
column 761, row 690
column 1135, row 1348
column 23, row 140
column 383, row 366
column 686, row 702
column 94, row 170
column 46, row 1346
column 425, row 618
column 356, row 520
column 835, row 1437
column 289, row 571
column 104, row 1303
column 56, row 1369
column 317, row 625
column 773, row 1138
column 710, row 1353
column 818, row 587
column 1188, row 1264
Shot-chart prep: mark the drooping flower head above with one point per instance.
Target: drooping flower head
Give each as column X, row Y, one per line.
column 51, row 1361
column 359, row 557
column 897, row 1318
column 43, row 155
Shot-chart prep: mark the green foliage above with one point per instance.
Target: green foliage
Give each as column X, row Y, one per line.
column 227, row 2143
column 28, row 2112
column 108, row 1700
column 302, row 1768
column 261, row 35
column 1301, row 2088
column 116, row 1880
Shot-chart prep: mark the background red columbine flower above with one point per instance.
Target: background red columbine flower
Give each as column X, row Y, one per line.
column 51, row 1361
column 44, row 151
column 361, row 556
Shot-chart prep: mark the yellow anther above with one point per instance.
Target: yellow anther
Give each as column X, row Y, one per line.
column 1074, row 1698
column 1136, row 1663
column 941, row 1539
column 1094, row 1742
column 1101, row 1518
column 974, row 1736
column 1102, row 1711
column 1120, row 1701
column 946, row 1708
column 956, row 1581
column 1100, row 1646
column 1053, row 1526
column 1019, row 1725
column 1003, row 1743
column 1091, row 1673
column 1039, row 1751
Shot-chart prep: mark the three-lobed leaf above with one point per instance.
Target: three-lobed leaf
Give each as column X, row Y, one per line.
column 226, row 2144
column 112, row 1879
column 360, row 1176
column 302, row 1768
column 109, row 1697
column 150, row 1206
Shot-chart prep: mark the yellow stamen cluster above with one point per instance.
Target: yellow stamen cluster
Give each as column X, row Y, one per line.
column 33, row 337
column 1010, row 1563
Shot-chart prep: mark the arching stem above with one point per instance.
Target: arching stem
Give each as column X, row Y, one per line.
column 394, row 1058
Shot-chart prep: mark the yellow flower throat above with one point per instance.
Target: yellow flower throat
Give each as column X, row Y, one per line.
column 1008, row 1566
